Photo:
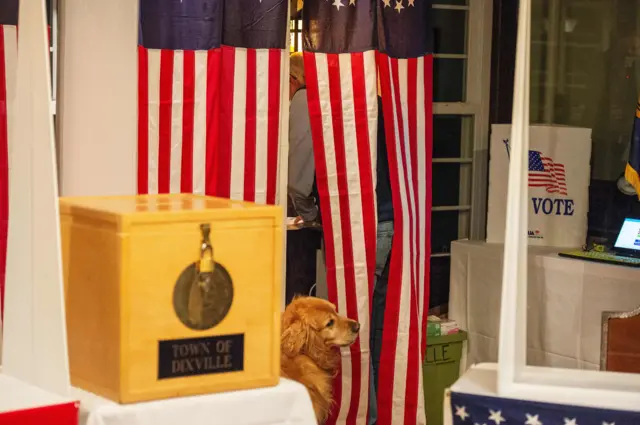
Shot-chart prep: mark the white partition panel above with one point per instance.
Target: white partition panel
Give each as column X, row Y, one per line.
column 610, row 390
column 35, row 345
column 97, row 96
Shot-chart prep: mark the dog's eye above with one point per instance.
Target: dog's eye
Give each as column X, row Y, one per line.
column 330, row 323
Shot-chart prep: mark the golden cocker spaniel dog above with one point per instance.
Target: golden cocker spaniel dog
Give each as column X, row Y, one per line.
column 312, row 332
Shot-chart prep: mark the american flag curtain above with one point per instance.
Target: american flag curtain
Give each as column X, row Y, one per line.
column 340, row 71
column 348, row 44
column 210, row 97
column 8, row 65
column 406, row 80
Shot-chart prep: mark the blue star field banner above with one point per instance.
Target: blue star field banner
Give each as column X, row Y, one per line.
column 468, row 409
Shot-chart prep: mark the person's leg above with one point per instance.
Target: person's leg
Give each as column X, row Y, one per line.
column 383, row 250
column 384, row 238
column 301, row 262
column 373, row 402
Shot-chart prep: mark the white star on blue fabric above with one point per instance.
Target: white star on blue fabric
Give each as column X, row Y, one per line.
column 461, row 412
column 411, row 2
column 608, row 423
column 496, row 416
column 568, row 421
column 338, row 4
column 399, row 6
column 533, row 420
column 387, row 3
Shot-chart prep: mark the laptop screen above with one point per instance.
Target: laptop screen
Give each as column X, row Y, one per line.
column 629, row 236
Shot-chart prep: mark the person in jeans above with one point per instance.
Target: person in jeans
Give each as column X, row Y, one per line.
column 383, row 254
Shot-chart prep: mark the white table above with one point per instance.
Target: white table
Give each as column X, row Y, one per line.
column 288, row 403
column 566, row 299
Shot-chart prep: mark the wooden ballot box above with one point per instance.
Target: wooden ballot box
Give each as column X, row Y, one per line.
column 171, row 295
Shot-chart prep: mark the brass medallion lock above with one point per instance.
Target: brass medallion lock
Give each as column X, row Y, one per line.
column 206, row 265
column 203, row 293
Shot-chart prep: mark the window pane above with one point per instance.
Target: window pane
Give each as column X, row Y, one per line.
column 447, row 178
column 444, row 230
column 452, row 136
column 449, row 31
column 447, row 132
column 449, row 80
column 446, row 184
column 585, row 72
column 439, row 283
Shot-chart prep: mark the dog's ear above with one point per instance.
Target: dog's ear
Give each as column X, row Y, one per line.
column 294, row 338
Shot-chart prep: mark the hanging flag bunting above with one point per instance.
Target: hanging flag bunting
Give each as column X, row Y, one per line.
column 210, row 97
column 406, row 75
column 340, row 68
column 8, row 66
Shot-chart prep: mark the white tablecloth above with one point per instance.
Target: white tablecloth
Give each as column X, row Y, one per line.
column 566, row 299
column 288, row 403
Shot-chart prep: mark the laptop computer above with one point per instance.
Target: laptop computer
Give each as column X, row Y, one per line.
column 626, row 250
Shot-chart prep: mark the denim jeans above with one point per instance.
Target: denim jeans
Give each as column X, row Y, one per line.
column 383, row 249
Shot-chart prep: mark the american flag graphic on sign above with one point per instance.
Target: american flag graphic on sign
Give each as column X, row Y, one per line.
column 8, row 66
column 544, row 172
column 210, row 97
column 406, row 78
column 340, row 68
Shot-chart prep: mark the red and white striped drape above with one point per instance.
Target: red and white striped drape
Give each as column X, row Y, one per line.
column 209, row 122
column 343, row 109
column 406, row 86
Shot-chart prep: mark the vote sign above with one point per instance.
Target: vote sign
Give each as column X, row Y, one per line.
column 558, row 196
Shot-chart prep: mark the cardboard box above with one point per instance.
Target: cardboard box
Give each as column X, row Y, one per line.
column 150, row 316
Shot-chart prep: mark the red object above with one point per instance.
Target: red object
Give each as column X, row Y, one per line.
column 8, row 36
column 58, row 414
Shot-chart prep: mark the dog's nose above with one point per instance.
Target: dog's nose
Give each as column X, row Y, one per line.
column 355, row 327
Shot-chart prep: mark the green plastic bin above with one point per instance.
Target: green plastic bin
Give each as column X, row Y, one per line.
column 440, row 370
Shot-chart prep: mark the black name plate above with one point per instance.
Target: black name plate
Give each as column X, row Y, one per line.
column 200, row 356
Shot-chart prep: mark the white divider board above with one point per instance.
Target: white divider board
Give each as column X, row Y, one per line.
column 559, row 159
column 98, row 97
column 515, row 379
column 18, row 395
column 35, row 345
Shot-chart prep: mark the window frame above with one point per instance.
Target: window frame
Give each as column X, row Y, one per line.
column 296, row 22
column 474, row 176
column 613, row 390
